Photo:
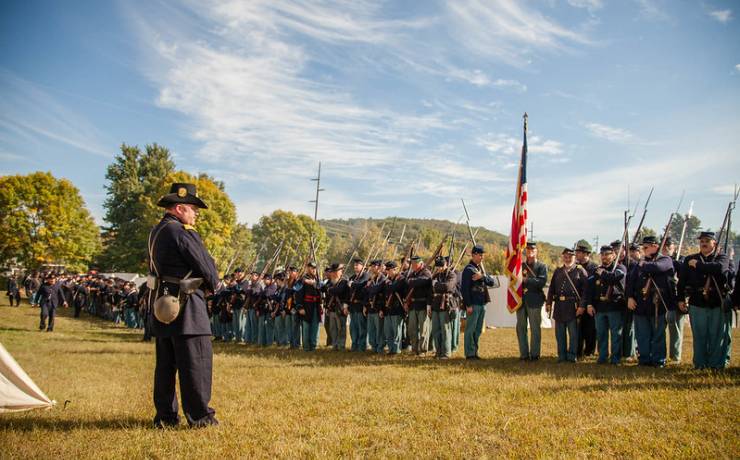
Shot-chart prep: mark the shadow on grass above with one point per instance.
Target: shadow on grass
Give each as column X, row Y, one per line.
column 25, row 422
column 16, row 329
column 108, row 351
column 620, row 378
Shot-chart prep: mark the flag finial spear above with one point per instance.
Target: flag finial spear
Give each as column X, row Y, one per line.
column 525, row 120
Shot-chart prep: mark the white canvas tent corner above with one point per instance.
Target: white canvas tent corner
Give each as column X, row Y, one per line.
column 17, row 390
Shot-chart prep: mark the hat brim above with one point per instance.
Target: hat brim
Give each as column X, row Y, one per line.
column 173, row 198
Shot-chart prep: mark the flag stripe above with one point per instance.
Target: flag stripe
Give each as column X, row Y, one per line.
column 518, row 236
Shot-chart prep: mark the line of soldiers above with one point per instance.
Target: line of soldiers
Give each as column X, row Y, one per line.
column 626, row 310
column 389, row 307
column 113, row 299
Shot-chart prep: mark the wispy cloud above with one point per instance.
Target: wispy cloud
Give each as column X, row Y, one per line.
column 723, row 16
column 591, row 5
column 31, row 113
column 509, row 31
column 614, row 134
column 508, row 145
column 652, row 10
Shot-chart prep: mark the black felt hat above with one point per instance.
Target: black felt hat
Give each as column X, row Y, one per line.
column 181, row 193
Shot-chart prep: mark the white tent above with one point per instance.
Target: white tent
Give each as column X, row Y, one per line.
column 497, row 315
column 17, row 390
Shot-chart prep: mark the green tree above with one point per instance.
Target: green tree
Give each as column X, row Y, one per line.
column 135, row 183
column 44, row 220
column 295, row 230
column 237, row 253
column 693, row 227
column 215, row 224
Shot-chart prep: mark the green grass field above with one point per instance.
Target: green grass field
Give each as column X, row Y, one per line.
column 279, row 403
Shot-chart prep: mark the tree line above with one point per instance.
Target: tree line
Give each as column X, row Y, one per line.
column 44, row 220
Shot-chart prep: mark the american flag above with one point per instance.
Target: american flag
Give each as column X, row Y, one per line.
column 518, row 237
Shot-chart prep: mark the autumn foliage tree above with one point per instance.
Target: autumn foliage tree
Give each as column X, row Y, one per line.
column 43, row 220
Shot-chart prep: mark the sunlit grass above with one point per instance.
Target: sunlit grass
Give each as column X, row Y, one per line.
column 280, row 403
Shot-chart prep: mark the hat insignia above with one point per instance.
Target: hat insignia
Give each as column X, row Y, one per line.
column 181, row 192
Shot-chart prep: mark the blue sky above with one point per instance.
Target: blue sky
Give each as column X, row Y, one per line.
column 409, row 105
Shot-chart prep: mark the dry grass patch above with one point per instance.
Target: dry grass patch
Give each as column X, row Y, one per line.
column 280, row 403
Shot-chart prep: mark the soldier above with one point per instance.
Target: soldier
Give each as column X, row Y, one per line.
column 394, row 291
column 629, row 343
column 239, row 316
column 358, row 306
column 566, row 295
column 735, row 298
column 702, row 283
column 281, row 312
column 131, row 305
column 650, row 294
column 266, row 313
column 33, row 286
column 14, row 292
column 294, row 322
column 417, row 305
column 50, row 297
column 586, row 324
column 254, row 292
column 605, row 302
column 308, row 304
column 535, row 278
column 444, row 287
column 727, row 310
column 327, row 316
column 475, row 296
column 675, row 319
column 374, row 307
column 81, row 295
column 337, row 305
column 181, row 264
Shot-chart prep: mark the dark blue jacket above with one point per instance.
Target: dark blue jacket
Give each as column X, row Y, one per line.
column 651, row 275
column 358, row 292
column 691, row 281
column 375, row 294
column 177, row 251
column 605, row 292
column 395, row 291
column 50, row 295
column 474, row 292
column 534, row 284
column 421, row 283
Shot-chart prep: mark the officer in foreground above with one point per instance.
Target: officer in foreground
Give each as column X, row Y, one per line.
column 181, row 272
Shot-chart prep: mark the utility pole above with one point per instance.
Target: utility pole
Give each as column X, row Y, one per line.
column 317, row 179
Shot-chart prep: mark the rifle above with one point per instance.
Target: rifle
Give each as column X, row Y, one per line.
column 462, row 253
column 472, row 236
column 256, row 257
column 400, row 241
column 642, row 219
column 357, row 246
column 650, row 282
column 683, row 230
column 306, row 260
column 381, row 248
column 724, row 228
column 625, row 239
column 233, row 259
column 430, row 261
column 272, row 260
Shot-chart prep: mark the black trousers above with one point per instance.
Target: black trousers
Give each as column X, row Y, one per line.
column 192, row 358
column 47, row 312
column 586, row 335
